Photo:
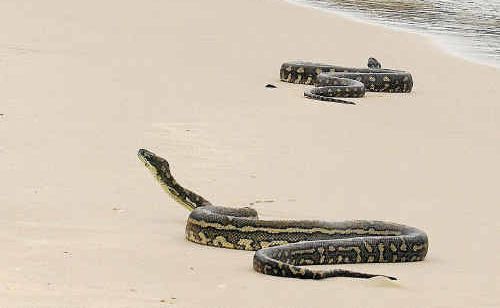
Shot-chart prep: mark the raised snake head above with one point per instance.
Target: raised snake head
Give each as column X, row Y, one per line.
column 160, row 168
column 156, row 164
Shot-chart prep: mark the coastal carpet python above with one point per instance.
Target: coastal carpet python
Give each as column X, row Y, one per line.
column 284, row 247
column 333, row 81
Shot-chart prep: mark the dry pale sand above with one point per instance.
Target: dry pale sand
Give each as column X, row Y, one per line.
column 84, row 84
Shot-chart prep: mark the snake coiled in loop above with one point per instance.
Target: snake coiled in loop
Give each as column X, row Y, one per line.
column 283, row 247
column 332, row 81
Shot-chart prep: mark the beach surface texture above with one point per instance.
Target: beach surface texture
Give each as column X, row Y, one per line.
column 85, row 84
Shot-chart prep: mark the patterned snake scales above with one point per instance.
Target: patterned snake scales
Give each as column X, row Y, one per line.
column 283, row 246
column 336, row 81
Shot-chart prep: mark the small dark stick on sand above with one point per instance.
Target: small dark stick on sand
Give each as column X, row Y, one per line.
column 270, row 86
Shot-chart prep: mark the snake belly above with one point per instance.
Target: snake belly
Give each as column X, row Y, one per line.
column 333, row 81
column 283, row 247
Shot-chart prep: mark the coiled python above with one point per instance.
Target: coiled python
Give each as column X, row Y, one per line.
column 283, row 246
column 337, row 81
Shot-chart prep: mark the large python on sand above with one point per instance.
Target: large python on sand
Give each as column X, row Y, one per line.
column 284, row 246
column 332, row 81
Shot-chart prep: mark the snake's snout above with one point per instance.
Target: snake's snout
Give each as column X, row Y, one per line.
column 153, row 161
column 145, row 153
column 145, row 156
column 148, row 156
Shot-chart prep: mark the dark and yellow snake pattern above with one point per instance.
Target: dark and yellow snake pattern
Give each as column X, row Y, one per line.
column 333, row 81
column 283, row 247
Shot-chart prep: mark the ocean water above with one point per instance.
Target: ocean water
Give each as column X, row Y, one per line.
column 468, row 28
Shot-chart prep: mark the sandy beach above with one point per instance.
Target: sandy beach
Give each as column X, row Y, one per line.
column 84, row 85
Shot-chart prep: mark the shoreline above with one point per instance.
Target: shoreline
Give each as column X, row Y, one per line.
column 84, row 224
column 441, row 40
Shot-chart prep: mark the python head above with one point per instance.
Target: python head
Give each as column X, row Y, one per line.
column 156, row 164
column 160, row 168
